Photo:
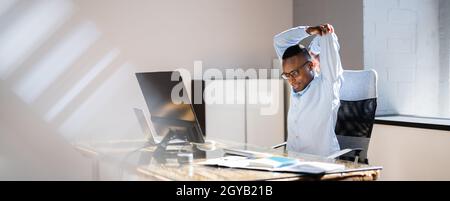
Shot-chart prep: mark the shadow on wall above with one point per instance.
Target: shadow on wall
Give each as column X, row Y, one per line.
column 46, row 78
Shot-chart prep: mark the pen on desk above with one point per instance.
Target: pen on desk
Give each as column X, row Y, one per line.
column 279, row 145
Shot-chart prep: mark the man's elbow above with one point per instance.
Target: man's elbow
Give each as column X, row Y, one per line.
column 277, row 40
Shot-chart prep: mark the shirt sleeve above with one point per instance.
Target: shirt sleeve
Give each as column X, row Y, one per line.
column 330, row 61
column 288, row 38
column 314, row 46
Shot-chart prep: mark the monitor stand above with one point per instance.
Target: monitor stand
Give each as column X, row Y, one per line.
column 172, row 135
column 161, row 153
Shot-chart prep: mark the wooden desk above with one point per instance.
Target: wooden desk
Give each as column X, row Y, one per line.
column 140, row 162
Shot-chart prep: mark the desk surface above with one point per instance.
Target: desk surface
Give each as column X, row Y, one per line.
column 141, row 161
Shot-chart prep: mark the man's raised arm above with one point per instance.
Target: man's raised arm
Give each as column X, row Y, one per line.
column 330, row 60
column 288, row 38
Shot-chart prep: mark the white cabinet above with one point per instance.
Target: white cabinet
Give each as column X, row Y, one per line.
column 265, row 112
column 224, row 109
column 248, row 111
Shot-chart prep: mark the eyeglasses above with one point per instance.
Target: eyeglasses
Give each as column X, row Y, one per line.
column 293, row 73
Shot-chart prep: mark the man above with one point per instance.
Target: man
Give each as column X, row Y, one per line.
column 314, row 96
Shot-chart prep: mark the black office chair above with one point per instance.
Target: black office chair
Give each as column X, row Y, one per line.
column 356, row 115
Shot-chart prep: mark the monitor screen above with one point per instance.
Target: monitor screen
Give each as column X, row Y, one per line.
column 166, row 115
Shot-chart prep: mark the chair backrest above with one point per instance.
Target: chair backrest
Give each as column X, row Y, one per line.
column 357, row 111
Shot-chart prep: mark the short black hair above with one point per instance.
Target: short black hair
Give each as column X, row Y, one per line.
column 296, row 50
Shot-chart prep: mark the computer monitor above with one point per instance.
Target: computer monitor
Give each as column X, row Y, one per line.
column 167, row 117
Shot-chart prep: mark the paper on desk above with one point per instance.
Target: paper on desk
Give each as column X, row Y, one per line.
column 272, row 162
column 313, row 167
column 297, row 167
column 227, row 161
column 246, row 153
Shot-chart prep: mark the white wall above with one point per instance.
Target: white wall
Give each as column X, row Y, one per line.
column 444, row 54
column 31, row 150
column 401, row 42
column 410, row 153
column 347, row 18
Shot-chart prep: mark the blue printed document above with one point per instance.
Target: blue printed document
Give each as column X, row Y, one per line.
column 275, row 163
column 272, row 162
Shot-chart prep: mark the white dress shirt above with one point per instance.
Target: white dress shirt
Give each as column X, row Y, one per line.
column 313, row 111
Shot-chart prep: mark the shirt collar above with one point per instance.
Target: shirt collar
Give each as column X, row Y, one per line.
column 300, row 93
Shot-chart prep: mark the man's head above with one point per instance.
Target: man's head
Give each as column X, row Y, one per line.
column 298, row 67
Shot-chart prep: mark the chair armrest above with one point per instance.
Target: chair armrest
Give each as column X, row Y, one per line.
column 279, row 145
column 345, row 151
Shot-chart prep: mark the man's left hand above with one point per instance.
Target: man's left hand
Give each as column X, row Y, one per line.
column 321, row 29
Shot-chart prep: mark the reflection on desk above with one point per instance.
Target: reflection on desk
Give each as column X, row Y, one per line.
column 137, row 160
